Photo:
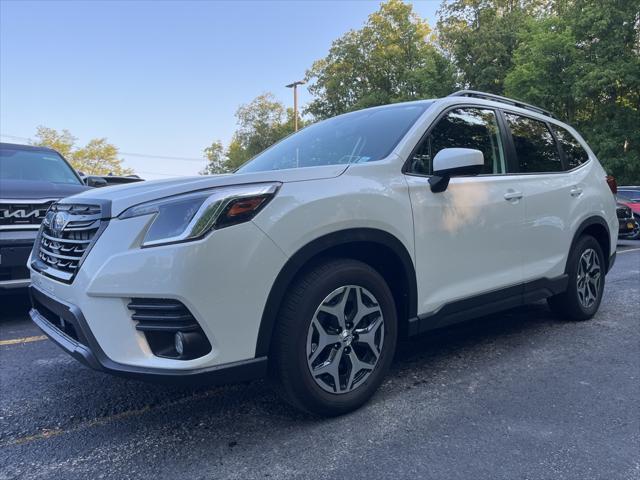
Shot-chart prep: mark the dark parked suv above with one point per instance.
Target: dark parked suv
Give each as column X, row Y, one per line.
column 31, row 178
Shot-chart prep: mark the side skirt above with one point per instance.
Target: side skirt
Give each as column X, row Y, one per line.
column 487, row 303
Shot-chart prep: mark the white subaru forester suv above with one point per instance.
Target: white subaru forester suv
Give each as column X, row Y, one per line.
column 312, row 260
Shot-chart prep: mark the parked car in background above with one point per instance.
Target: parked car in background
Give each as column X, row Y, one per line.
column 630, row 196
column 628, row 223
column 31, row 179
column 311, row 260
column 108, row 180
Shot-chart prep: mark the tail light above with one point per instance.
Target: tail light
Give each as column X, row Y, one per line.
column 613, row 185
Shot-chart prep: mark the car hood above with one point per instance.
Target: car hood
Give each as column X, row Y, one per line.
column 37, row 190
column 122, row 197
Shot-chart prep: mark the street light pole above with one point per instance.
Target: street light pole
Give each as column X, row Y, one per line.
column 294, row 85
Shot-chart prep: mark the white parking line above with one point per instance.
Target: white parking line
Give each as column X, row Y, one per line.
column 629, row 250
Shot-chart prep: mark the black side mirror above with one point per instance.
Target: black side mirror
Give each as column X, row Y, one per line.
column 451, row 162
column 93, row 181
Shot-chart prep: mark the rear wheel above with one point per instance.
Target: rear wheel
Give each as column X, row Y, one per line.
column 586, row 269
column 335, row 338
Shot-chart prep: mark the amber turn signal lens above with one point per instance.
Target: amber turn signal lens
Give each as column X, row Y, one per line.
column 242, row 207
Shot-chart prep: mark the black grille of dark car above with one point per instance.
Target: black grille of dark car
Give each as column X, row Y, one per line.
column 17, row 214
column 66, row 235
column 623, row 212
column 160, row 319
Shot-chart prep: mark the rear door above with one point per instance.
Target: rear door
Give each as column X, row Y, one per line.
column 548, row 194
column 468, row 239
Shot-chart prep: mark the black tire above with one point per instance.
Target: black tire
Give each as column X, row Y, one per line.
column 568, row 304
column 289, row 369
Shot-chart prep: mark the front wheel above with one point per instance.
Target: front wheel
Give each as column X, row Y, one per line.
column 335, row 338
column 586, row 269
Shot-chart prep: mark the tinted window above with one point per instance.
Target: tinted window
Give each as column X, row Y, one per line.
column 17, row 164
column 462, row 128
column 535, row 146
column 573, row 151
column 362, row 136
column 629, row 195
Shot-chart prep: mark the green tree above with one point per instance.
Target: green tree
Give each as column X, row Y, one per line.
column 216, row 159
column 261, row 123
column 63, row 142
column 392, row 58
column 98, row 157
column 544, row 67
column 481, row 36
column 582, row 62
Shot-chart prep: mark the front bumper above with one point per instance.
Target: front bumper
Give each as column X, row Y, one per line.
column 628, row 227
column 223, row 280
column 66, row 326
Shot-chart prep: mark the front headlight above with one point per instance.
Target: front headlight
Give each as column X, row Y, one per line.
column 191, row 216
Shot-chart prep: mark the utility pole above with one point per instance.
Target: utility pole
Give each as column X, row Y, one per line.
column 294, row 85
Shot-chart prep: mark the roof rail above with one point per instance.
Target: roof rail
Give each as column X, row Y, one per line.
column 498, row 98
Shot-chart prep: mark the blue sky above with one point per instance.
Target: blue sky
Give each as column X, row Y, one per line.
column 159, row 78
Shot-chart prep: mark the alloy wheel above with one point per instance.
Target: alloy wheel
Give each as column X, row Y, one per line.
column 345, row 339
column 589, row 276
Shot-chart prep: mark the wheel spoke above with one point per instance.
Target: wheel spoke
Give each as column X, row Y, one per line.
column 356, row 366
column 367, row 336
column 338, row 310
column 324, row 339
column 331, row 367
column 362, row 310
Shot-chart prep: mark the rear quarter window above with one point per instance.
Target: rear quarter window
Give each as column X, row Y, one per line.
column 574, row 153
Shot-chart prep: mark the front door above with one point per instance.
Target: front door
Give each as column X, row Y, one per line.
column 468, row 239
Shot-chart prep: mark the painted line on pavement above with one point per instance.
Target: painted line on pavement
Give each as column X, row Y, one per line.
column 16, row 341
column 629, row 250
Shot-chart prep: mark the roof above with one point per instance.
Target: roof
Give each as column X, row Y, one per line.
column 19, row 146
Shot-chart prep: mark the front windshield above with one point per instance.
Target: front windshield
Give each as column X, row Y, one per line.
column 362, row 136
column 39, row 165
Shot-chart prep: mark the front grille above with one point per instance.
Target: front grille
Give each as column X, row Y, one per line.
column 160, row 319
column 14, row 273
column 20, row 214
column 623, row 212
column 66, row 235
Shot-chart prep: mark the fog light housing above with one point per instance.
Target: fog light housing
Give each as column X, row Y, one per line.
column 190, row 344
column 169, row 327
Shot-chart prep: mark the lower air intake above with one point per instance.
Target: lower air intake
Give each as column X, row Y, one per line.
column 161, row 319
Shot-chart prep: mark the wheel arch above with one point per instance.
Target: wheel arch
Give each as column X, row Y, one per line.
column 598, row 228
column 378, row 248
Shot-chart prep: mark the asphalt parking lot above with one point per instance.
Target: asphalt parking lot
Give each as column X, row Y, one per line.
column 519, row 395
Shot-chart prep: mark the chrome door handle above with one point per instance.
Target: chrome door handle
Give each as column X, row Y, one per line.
column 575, row 191
column 512, row 196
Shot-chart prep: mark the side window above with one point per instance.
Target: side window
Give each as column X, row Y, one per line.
column 535, row 147
column 463, row 128
column 573, row 151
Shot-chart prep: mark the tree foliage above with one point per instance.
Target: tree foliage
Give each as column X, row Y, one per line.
column 98, row 157
column 392, row 58
column 216, row 159
column 261, row 123
column 481, row 36
column 581, row 61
